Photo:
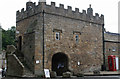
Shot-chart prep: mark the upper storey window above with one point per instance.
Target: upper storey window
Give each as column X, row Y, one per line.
column 57, row 35
column 76, row 38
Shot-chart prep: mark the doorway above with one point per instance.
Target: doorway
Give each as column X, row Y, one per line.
column 59, row 63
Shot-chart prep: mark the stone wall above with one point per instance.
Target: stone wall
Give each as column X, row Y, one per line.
column 39, row 45
column 87, row 51
column 26, row 30
column 14, row 66
column 38, row 24
column 111, row 46
column 111, row 36
column 28, row 49
column 32, row 9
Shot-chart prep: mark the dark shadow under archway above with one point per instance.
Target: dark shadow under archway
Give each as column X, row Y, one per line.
column 59, row 63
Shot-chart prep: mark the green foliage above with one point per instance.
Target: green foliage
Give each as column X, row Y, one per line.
column 8, row 37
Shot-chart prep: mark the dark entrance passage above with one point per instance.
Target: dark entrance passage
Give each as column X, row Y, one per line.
column 59, row 63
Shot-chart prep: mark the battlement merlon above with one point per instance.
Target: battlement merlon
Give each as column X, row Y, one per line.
column 33, row 9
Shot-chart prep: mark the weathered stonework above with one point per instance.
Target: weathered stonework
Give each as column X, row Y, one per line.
column 37, row 27
column 14, row 66
column 112, row 47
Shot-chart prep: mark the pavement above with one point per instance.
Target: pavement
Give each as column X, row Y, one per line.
column 0, row 75
column 88, row 77
column 105, row 73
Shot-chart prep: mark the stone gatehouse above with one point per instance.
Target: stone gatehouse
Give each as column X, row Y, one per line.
column 58, row 39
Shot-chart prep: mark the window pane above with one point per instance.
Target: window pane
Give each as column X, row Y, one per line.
column 76, row 38
column 57, row 36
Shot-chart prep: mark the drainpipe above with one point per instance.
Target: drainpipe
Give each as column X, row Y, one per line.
column 103, row 66
column 43, row 40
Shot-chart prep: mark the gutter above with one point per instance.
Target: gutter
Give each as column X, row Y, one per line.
column 43, row 40
column 104, row 66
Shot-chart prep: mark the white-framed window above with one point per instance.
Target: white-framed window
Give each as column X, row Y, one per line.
column 57, row 35
column 76, row 38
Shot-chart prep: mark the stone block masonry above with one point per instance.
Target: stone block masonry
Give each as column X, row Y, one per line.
column 33, row 9
column 60, row 39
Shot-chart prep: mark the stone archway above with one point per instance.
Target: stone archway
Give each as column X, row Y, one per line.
column 60, row 63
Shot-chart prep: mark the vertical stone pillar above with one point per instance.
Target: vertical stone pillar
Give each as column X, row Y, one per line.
column 90, row 11
column 42, row 0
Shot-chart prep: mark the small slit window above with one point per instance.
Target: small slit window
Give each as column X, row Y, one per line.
column 76, row 38
column 57, row 36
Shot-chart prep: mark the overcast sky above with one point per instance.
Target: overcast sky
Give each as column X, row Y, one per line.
column 109, row 8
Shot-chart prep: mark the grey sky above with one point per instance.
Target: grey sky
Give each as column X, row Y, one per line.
column 109, row 8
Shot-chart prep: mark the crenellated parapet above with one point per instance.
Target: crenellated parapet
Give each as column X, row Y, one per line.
column 33, row 9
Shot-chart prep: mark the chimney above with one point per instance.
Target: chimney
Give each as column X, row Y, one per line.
column 90, row 11
column 42, row 0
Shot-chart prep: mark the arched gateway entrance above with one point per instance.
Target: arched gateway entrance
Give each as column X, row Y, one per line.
column 59, row 63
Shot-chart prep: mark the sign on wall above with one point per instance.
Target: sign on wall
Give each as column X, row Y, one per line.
column 47, row 73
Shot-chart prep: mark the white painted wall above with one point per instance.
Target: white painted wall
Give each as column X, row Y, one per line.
column 117, row 63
